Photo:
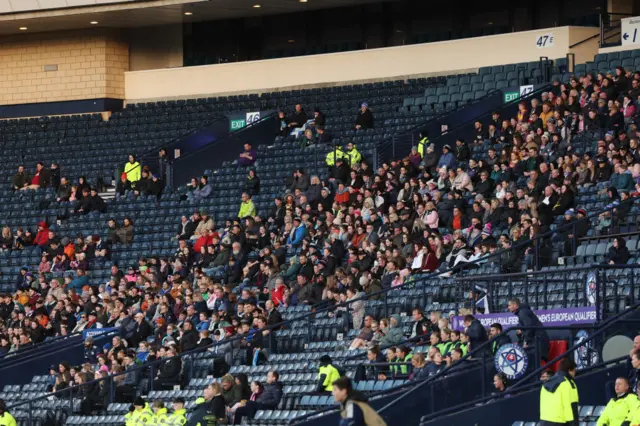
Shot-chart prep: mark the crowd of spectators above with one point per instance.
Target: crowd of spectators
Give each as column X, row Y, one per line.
column 325, row 241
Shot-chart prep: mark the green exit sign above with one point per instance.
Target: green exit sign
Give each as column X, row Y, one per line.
column 511, row 96
column 238, row 124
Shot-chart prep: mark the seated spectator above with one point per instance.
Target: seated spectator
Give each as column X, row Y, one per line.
column 169, row 370
column 364, row 120
column 202, row 190
column 124, row 234
column 267, row 398
column 248, row 157
column 186, row 228
column 41, row 179
column 21, row 179
column 247, row 208
column 298, row 119
column 63, row 193
column 123, row 186
column 618, row 253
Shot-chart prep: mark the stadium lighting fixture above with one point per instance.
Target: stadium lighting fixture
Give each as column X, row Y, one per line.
column 257, row 6
column 188, row 13
column 94, row 22
column 23, row 28
column 303, row 1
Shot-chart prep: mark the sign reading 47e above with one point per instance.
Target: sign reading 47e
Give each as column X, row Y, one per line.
column 545, row 40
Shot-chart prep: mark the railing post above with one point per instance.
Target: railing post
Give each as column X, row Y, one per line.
column 633, row 288
column 598, row 297
column 564, row 290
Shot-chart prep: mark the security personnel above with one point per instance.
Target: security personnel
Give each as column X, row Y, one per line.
column 332, row 156
column 141, row 414
column 422, row 144
column 352, row 154
column 179, row 415
column 6, row 419
column 621, row 408
column 132, row 169
column 327, row 374
column 404, row 356
column 559, row 396
column 160, row 413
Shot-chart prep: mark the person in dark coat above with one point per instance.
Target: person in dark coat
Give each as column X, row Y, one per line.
column 252, row 185
column 618, row 253
column 477, row 335
column 213, row 407
column 189, row 339
column 527, row 318
column 365, row 118
column 142, row 330
column 169, row 371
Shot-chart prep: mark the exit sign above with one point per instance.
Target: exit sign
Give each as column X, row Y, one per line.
column 238, row 124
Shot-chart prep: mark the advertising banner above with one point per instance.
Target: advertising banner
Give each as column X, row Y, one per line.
column 550, row 317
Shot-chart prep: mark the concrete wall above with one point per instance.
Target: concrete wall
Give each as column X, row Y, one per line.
column 155, row 47
column 423, row 59
column 90, row 65
column 586, row 50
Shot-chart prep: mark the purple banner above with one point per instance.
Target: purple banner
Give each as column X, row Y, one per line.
column 551, row 317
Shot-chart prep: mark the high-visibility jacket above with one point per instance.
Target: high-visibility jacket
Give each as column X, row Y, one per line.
column 160, row 418
column 619, row 409
column 422, row 145
column 139, row 417
column 133, row 171
column 331, row 375
column 404, row 369
column 558, row 399
column 354, row 156
column 247, row 209
column 332, row 156
column 7, row 419
column 178, row 418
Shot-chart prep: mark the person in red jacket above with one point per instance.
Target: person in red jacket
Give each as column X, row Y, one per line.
column 277, row 294
column 42, row 236
column 205, row 240
column 342, row 194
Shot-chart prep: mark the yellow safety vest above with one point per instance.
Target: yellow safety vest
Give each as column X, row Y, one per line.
column 331, row 375
column 139, row 417
column 619, row 410
column 160, row 418
column 557, row 397
column 7, row 419
column 354, row 156
column 178, row 418
column 132, row 171
column 334, row 155
column 421, row 144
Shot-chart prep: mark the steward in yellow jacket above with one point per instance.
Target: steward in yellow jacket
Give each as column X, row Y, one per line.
column 620, row 409
column 327, row 374
column 352, row 154
column 141, row 414
column 132, row 169
column 332, row 156
column 559, row 396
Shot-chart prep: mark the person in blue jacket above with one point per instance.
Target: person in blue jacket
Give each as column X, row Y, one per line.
column 79, row 281
column 297, row 234
column 447, row 159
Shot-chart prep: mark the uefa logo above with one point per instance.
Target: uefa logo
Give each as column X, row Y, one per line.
column 511, row 360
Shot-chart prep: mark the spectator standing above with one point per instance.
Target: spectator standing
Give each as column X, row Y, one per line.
column 527, row 318
column 354, row 409
column 132, row 169
column 559, row 397
column 365, row 117
column 477, row 334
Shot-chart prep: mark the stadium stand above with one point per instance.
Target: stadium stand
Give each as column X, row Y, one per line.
column 367, row 239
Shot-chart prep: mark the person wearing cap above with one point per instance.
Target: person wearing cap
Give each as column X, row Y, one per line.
column 364, row 120
column 352, row 154
column 179, row 414
column 447, row 159
column 90, row 350
column 327, row 374
column 141, row 413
